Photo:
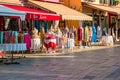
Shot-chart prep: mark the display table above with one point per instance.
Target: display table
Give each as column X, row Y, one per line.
column 107, row 40
column 35, row 44
column 70, row 43
column 12, row 48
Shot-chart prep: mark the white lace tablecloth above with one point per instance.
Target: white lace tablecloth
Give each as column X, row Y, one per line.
column 35, row 44
column 13, row 47
column 107, row 40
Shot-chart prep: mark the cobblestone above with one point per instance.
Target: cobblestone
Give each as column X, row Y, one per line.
column 94, row 64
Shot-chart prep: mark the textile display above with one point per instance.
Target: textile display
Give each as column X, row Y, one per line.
column 8, row 37
column 75, row 33
column 70, row 43
column 99, row 32
column 2, row 23
column 107, row 40
column 59, row 38
column 46, row 26
column 1, row 37
column 27, row 40
column 20, row 38
column 35, row 44
column 93, row 34
column 80, row 32
column 86, row 34
column 37, row 25
column 90, row 34
column 13, row 47
column 50, row 42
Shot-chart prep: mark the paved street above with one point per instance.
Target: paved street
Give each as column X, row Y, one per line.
column 102, row 64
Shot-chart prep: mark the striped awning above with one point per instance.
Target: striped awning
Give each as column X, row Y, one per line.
column 65, row 12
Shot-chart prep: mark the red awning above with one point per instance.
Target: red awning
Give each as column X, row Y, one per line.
column 34, row 14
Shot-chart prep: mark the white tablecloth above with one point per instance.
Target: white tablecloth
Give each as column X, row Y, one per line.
column 107, row 40
column 35, row 44
column 13, row 47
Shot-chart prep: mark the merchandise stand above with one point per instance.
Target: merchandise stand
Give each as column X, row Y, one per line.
column 11, row 48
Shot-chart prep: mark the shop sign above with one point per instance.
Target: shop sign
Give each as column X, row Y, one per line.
column 43, row 17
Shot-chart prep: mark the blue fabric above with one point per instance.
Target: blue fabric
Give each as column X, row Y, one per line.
column 93, row 34
column 37, row 25
column 46, row 27
column 105, row 31
column 16, row 36
column 1, row 37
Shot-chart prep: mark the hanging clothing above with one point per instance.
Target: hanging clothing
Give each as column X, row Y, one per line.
column 80, row 31
column 66, row 32
column 46, row 26
column 37, row 25
column 104, row 31
column 20, row 38
column 93, row 34
column 16, row 36
column 90, row 34
column 75, row 33
column 27, row 40
column 1, row 37
column 2, row 23
column 99, row 32
column 7, row 36
column 86, row 34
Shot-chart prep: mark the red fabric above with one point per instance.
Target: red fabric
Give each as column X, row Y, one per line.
column 2, row 23
column 27, row 40
column 2, row 54
column 50, row 45
column 79, row 34
column 34, row 14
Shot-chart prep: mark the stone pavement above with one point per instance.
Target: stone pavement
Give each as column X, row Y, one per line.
column 95, row 64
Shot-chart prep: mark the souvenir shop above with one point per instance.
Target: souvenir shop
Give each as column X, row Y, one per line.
column 19, row 27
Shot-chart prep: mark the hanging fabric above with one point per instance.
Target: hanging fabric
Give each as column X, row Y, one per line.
column 37, row 25
column 2, row 23
column 46, row 26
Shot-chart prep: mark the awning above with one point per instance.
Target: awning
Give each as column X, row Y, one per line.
column 33, row 13
column 5, row 11
column 14, row 2
column 103, row 7
column 65, row 12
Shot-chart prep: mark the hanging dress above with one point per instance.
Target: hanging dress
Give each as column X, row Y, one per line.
column 86, row 34
column 93, row 34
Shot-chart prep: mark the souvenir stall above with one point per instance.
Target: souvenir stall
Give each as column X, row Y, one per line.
column 33, row 14
column 20, row 41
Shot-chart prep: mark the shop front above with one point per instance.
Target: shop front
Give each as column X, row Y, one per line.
column 14, row 36
column 103, row 16
column 70, row 18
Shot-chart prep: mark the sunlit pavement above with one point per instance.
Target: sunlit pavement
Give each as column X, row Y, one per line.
column 90, row 64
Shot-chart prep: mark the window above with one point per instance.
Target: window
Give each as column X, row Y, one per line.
column 106, row 1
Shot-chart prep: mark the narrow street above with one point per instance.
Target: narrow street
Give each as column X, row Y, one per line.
column 103, row 64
